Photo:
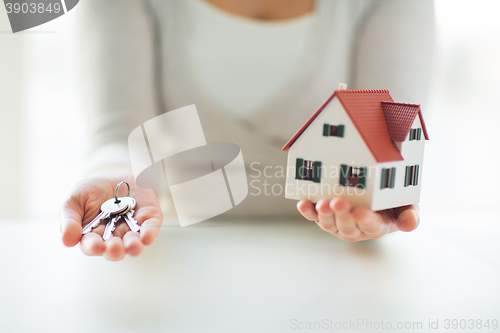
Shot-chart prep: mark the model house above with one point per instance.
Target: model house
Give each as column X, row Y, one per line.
column 361, row 145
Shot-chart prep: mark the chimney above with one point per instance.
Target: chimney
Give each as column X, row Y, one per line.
column 342, row 86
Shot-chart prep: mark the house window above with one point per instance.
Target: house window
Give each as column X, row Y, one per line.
column 411, row 176
column 388, row 176
column 415, row 134
column 352, row 176
column 308, row 170
column 333, row 130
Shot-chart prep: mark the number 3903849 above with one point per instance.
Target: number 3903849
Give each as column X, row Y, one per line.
column 32, row 8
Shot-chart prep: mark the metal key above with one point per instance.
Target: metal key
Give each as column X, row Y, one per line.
column 128, row 216
column 110, row 227
column 108, row 208
column 131, row 221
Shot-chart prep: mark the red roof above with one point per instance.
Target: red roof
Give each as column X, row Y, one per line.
column 400, row 117
column 365, row 108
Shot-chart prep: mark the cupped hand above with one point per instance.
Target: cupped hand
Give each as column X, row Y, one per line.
column 85, row 203
column 338, row 217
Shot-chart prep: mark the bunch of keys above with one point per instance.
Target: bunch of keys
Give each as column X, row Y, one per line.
column 115, row 209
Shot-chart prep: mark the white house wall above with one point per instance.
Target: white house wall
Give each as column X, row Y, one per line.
column 332, row 152
column 412, row 152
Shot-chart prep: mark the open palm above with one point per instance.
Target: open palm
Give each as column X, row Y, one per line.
column 338, row 217
column 85, row 203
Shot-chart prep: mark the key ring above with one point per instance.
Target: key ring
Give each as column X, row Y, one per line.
column 116, row 191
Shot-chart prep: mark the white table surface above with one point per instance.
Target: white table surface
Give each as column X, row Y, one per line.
column 252, row 276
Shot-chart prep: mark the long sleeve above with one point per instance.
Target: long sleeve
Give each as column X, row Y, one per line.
column 395, row 49
column 116, row 63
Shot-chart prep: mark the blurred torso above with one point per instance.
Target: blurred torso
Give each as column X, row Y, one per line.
column 272, row 10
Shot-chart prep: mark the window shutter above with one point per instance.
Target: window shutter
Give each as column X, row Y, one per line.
column 326, row 130
column 419, row 133
column 340, row 131
column 407, row 176
column 393, row 176
column 317, row 172
column 362, row 178
column 382, row 182
column 343, row 175
column 299, row 166
column 415, row 181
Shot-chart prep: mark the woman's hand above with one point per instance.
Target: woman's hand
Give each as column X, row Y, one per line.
column 85, row 203
column 338, row 217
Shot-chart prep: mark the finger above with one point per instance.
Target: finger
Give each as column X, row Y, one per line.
column 370, row 223
column 325, row 216
column 150, row 220
column 341, row 207
column 150, row 230
column 92, row 244
column 306, row 208
column 71, row 225
column 408, row 219
column 114, row 249
column 346, row 227
column 132, row 243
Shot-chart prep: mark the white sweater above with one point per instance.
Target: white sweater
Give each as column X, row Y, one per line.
column 254, row 82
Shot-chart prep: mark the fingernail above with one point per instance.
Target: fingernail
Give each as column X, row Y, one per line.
column 336, row 207
column 337, row 210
